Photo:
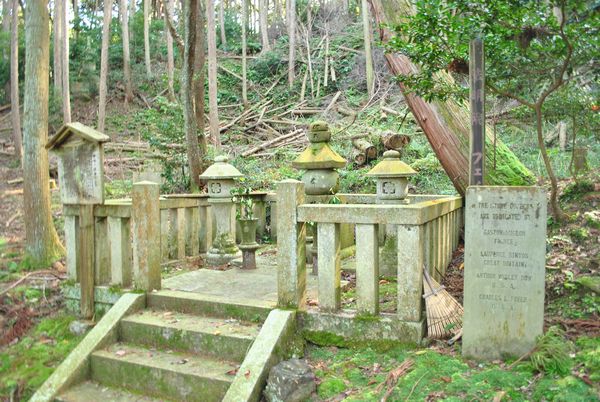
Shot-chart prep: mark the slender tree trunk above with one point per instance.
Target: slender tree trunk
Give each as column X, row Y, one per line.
column 57, row 58
column 15, row 112
column 6, row 5
column 222, row 23
column 190, row 21
column 64, row 52
column 291, row 25
column 126, row 55
column 170, row 58
column 200, row 78
column 212, row 74
column 447, row 124
column 147, row 38
column 42, row 246
column 104, row 64
column 131, row 18
column 366, row 20
column 244, row 61
column 263, row 9
column 557, row 212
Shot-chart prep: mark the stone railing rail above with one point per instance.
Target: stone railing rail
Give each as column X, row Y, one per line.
column 186, row 229
column 427, row 233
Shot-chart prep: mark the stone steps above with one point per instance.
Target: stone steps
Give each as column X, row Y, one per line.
column 176, row 346
column 92, row 391
column 163, row 374
column 218, row 337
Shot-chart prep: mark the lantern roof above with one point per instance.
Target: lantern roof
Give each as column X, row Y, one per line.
column 391, row 166
column 76, row 129
column 319, row 156
column 221, row 170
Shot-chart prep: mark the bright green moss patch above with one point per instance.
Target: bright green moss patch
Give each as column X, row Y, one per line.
column 355, row 374
column 27, row 364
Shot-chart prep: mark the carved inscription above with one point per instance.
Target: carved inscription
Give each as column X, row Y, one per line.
column 504, row 269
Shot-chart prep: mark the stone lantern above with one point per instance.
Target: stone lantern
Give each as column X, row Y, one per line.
column 392, row 188
column 392, row 178
column 221, row 180
column 319, row 162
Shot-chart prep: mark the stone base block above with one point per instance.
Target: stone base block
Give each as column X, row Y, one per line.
column 214, row 258
column 348, row 327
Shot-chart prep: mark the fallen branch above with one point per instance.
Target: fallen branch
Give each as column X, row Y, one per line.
column 392, row 378
column 264, row 145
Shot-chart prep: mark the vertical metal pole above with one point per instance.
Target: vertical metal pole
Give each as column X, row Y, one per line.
column 477, row 98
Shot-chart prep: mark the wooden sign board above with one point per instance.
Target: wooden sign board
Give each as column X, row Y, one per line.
column 80, row 163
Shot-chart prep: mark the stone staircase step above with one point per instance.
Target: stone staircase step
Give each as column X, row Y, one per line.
column 91, row 391
column 163, row 374
column 214, row 306
column 218, row 337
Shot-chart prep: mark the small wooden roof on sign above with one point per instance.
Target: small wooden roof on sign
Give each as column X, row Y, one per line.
column 78, row 129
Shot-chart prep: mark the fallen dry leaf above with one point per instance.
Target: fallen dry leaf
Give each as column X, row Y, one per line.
column 120, row 353
column 247, row 374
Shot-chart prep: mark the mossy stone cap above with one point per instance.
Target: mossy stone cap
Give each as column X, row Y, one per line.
column 319, row 156
column 318, row 132
column 391, row 166
column 221, row 170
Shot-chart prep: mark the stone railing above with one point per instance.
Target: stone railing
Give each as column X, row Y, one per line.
column 185, row 224
column 426, row 229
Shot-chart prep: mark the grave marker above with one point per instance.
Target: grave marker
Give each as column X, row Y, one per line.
column 505, row 254
column 81, row 180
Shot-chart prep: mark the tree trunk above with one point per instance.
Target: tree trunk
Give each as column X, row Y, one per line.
column 366, row 20
column 64, row 52
column 244, row 61
column 291, row 25
column 131, row 19
column 56, row 57
column 6, row 28
column 147, row 38
column 446, row 124
column 190, row 22
column 263, row 9
column 170, row 58
column 126, row 55
column 212, row 74
column 557, row 212
column 15, row 112
column 104, row 64
column 222, row 24
column 42, row 246
column 200, row 78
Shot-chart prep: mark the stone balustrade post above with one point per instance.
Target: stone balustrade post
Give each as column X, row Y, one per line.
column 291, row 245
column 146, row 235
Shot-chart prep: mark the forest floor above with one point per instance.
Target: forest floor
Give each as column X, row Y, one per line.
column 34, row 326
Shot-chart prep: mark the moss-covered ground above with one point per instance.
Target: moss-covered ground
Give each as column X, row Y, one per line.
column 439, row 373
column 26, row 364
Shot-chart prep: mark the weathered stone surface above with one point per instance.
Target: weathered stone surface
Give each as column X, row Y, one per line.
column 75, row 367
column 223, row 247
column 367, row 269
column 328, row 244
column 291, row 245
column 505, row 247
column 146, row 235
column 79, row 328
column 290, row 381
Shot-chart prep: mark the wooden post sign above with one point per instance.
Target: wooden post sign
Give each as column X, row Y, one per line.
column 80, row 163
column 81, row 180
column 477, row 97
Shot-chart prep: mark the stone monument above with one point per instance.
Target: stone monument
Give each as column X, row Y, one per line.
column 221, row 180
column 319, row 162
column 505, row 255
column 392, row 176
column 320, row 178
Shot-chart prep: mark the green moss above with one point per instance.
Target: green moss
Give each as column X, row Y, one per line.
column 30, row 362
column 331, row 387
column 324, row 338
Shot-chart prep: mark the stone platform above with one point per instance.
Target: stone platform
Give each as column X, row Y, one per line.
column 259, row 284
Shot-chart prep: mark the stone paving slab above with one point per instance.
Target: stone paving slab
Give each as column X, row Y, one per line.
column 258, row 284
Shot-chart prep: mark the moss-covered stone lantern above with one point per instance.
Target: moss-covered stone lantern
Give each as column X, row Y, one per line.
column 392, row 178
column 319, row 162
column 392, row 188
column 221, row 180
